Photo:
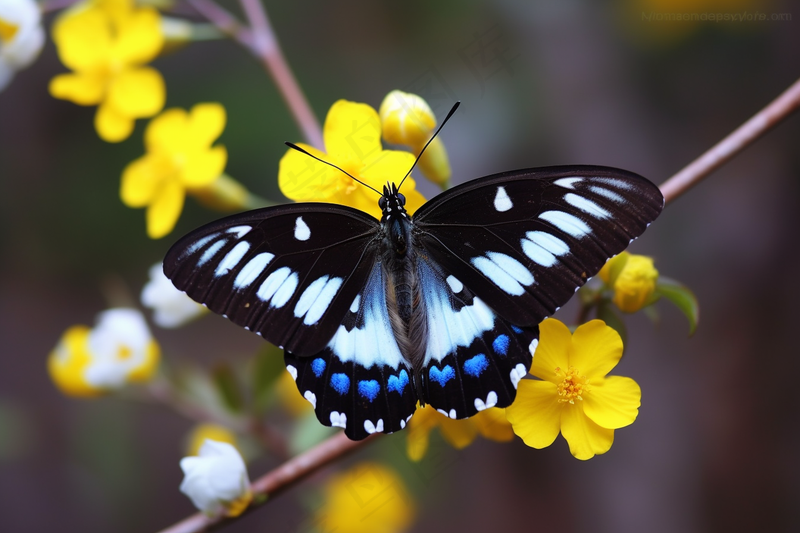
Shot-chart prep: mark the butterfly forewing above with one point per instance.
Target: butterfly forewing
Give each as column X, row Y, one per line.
column 289, row 273
column 524, row 241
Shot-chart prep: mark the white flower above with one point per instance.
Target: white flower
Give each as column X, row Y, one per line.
column 120, row 345
column 171, row 307
column 21, row 36
column 216, row 481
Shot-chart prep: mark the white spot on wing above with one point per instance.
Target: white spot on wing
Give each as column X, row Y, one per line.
column 454, row 284
column 614, row 182
column 252, row 270
column 338, row 419
column 211, row 251
column 517, row 373
column 491, row 401
column 292, row 371
column 286, row 291
column 567, row 223
column 322, row 302
column 199, row 244
column 542, row 248
column 371, row 428
column 504, row 271
column 567, row 183
column 587, row 206
column 301, row 230
column 232, row 258
column 533, row 345
column 278, row 287
column 502, row 202
column 240, row 231
column 355, row 304
column 311, row 397
column 605, row 193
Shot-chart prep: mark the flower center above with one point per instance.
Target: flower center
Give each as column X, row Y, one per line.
column 572, row 386
column 124, row 352
column 7, row 31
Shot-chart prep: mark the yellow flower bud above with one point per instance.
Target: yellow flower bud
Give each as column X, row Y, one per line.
column 408, row 120
column 635, row 283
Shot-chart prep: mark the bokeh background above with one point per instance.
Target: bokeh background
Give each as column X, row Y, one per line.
column 715, row 447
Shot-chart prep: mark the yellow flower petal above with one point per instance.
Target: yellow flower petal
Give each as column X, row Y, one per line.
column 406, row 119
column 352, row 131
column 140, row 182
column 458, row 433
column 596, row 349
column 388, row 165
column 202, row 168
column 434, row 163
column 536, row 413
column 163, row 213
column 168, row 131
column 82, row 89
column 137, row 93
column 555, row 342
column 418, row 432
column 304, row 179
column 207, row 121
column 139, row 36
column 493, row 424
column 146, row 370
column 83, row 39
column 68, row 361
column 110, row 125
column 613, row 402
column 585, row 438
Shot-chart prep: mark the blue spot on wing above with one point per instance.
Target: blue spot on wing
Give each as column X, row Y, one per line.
column 398, row 382
column 369, row 389
column 516, row 329
column 500, row 344
column 340, row 383
column 318, row 366
column 476, row 365
column 442, row 376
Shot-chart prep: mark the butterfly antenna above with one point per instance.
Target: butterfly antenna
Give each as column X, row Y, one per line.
column 450, row 114
column 294, row 146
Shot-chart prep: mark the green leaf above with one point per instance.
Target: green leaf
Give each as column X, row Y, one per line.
column 267, row 368
column 612, row 320
column 228, row 387
column 683, row 298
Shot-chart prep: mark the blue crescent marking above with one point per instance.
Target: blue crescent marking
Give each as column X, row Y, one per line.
column 516, row 329
column 340, row 383
column 500, row 345
column 318, row 366
column 476, row 365
column 369, row 389
column 442, row 376
column 398, row 382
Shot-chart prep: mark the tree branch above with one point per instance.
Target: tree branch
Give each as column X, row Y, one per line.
column 738, row 140
column 278, row 480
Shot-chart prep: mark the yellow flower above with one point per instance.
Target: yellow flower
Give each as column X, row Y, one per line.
column 179, row 159
column 408, row 120
column 119, row 350
column 633, row 279
column 352, row 135
column 491, row 423
column 368, row 498
column 203, row 432
column 575, row 397
column 106, row 43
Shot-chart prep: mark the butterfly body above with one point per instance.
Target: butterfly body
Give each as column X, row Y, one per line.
column 440, row 306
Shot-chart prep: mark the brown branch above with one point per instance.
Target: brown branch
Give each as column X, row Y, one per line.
column 738, row 140
column 260, row 39
column 278, row 480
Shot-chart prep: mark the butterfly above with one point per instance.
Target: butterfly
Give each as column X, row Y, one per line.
column 440, row 307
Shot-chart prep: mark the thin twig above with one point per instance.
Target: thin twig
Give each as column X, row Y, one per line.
column 269, row 51
column 278, row 480
column 738, row 140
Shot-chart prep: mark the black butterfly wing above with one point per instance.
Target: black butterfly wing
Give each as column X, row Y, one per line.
column 474, row 358
column 288, row 273
column 360, row 381
column 525, row 241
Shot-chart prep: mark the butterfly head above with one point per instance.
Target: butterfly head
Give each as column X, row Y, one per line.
column 392, row 203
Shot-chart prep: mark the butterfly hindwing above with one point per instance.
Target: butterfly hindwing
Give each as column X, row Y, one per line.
column 360, row 381
column 474, row 358
column 524, row 241
column 288, row 273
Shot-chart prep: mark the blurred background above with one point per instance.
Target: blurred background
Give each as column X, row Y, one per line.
column 715, row 447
